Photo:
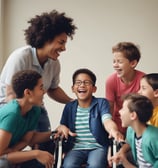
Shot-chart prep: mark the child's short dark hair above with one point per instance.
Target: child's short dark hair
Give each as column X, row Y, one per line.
column 141, row 105
column 130, row 50
column 45, row 27
column 25, row 79
column 152, row 80
column 84, row 71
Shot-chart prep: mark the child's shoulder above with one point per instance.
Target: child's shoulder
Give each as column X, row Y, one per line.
column 112, row 76
column 100, row 100
column 140, row 73
column 152, row 128
column 151, row 131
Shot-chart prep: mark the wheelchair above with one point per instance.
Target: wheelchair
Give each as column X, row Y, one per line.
column 59, row 153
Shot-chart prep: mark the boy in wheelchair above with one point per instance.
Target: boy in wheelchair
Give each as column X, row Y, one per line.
column 86, row 124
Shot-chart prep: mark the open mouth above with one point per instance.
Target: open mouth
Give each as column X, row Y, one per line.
column 119, row 71
column 82, row 91
column 57, row 53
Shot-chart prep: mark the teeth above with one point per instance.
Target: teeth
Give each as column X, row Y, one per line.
column 82, row 91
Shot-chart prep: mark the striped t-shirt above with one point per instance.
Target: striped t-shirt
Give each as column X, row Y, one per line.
column 140, row 159
column 84, row 138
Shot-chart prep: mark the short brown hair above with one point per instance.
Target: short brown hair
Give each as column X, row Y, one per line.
column 130, row 50
column 141, row 105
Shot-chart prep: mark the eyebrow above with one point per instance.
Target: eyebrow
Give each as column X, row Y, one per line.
column 61, row 40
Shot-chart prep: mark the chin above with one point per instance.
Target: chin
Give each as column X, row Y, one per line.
column 119, row 75
column 54, row 59
column 124, row 125
column 39, row 104
column 82, row 98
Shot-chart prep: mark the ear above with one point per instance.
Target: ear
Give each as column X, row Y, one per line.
column 94, row 89
column 27, row 92
column 133, row 115
column 156, row 93
column 72, row 87
column 133, row 63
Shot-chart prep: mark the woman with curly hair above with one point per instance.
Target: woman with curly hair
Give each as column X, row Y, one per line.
column 46, row 38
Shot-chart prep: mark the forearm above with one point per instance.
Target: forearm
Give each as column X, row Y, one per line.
column 59, row 95
column 21, row 156
column 110, row 126
column 111, row 107
column 25, row 141
column 125, row 148
column 112, row 129
column 17, row 147
column 127, row 164
column 40, row 137
column 43, row 157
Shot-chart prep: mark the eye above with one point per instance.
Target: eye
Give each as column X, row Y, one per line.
column 87, row 83
column 78, row 82
column 143, row 88
column 61, row 42
column 120, row 61
column 114, row 61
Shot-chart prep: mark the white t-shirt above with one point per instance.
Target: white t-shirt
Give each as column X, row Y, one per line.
column 25, row 58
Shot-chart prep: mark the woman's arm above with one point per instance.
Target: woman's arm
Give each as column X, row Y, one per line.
column 59, row 95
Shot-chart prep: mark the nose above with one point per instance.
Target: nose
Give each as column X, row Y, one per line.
column 115, row 64
column 44, row 91
column 82, row 83
column 63, row 47
column 139, row 91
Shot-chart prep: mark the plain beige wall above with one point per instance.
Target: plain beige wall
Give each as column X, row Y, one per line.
column 1, row 32
column 101, row 24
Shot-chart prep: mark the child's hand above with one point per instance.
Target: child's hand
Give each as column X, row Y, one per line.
column 65, row 131
column 45, row 158
column 116, row 135
column 117, row 158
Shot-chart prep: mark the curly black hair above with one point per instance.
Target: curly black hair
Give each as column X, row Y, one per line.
column 25, row 79
column 47, row 26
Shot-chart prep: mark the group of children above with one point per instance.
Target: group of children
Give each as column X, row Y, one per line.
column 87, row 122
column 128, row 112
column 133, row 100
column 134, row 104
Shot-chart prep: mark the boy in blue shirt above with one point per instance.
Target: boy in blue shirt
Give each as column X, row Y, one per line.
column 88, row 121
